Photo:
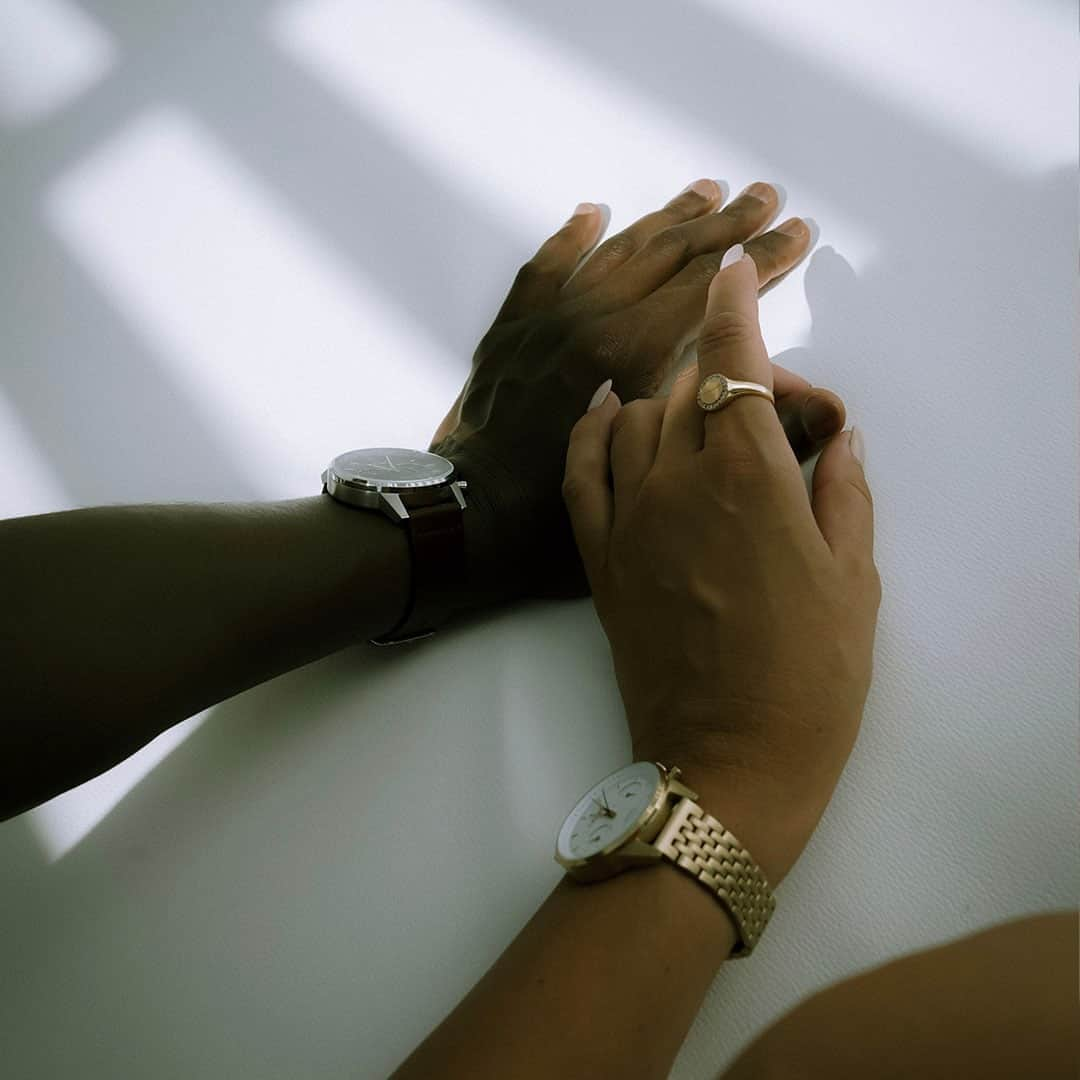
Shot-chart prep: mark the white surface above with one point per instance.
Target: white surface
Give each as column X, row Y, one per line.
column 254, row 207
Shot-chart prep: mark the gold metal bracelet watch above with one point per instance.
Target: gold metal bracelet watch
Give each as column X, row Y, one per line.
column 640, row 815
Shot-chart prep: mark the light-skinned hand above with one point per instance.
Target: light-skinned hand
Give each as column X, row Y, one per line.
column 740, row 612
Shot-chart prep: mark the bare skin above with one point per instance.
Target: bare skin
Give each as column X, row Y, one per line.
column 752, row 667
column 118, row 622
column 998, row 1004
column 741, row 617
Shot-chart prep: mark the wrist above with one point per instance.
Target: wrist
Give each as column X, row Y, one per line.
column 755, row 809
column 491, row 565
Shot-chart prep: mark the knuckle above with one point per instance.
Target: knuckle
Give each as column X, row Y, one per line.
column 726, row 330
column 637, row 419
column 706, row 267
column 743, row 209
column 872, row 584
column 858, row 484
column 640, row 411
column 572, row 487
column 629, row 416
column 578, row 433
column 864, row 581
column 531, row 271
column 841, row 485
column 604, row 344
column 751, row 464
column 766, row 253
column 670, row 245
column 621, row 246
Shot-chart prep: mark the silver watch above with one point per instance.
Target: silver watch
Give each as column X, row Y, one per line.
column 422, row 493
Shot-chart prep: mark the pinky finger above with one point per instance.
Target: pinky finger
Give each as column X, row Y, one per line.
column 538, row 282
column 586, row 487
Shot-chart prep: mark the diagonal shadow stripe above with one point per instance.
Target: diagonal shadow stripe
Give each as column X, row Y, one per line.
column 814, row 127
column 101, row 408
column 396, row 221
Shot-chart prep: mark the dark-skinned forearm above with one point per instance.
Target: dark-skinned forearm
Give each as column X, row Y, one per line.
column 118, row 622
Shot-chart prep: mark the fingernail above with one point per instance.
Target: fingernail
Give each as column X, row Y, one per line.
column 819, row 416
column 857, row 446
column 794, row 227
column 707, row 189
column 761, row 192
column 582, row 208
column 732, row 256
column 600, row 396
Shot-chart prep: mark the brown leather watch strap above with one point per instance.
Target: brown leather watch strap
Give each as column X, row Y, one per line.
column 437, row 550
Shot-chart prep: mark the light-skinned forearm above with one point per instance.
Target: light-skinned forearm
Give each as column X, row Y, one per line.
column 118, row 622
column 605, row 980
column 998, row 1004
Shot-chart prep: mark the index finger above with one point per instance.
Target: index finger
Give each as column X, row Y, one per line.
column 730, row 344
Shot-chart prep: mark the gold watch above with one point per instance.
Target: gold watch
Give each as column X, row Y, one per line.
column 641, row 814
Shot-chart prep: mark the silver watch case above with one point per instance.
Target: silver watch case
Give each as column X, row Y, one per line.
column 393, row 502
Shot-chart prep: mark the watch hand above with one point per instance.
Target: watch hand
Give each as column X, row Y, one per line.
column 607, row 808
column 389, row 462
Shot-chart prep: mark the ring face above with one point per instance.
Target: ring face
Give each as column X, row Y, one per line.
column 713, row 392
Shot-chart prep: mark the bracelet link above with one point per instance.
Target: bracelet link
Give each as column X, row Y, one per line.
column 698, row 844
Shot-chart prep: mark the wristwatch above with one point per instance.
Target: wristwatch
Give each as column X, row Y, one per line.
column 640, row 815
column 418, row 491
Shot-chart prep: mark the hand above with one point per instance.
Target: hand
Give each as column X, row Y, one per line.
column 740, row 613
column 627, row 314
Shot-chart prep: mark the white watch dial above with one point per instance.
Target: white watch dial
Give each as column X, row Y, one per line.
column 609, row 813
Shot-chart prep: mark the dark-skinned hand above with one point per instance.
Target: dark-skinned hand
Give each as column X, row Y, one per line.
column 628, row 311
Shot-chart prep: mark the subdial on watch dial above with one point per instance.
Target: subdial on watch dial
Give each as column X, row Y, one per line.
column 591, row 834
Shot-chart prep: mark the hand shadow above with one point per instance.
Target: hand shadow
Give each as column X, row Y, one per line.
column 831, row 289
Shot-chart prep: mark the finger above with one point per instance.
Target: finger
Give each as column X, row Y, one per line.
column 730, row 344
column 677, row 434
column 635, row 435
column 810, row 418
column 700, row 197
column 586, row 485
column 673, row 314
column 841, row 501
column 787, row 382
column 670, row 250
column 538, row 282
column 809, row 415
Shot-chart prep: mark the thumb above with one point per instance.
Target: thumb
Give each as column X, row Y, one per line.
column 841, row 499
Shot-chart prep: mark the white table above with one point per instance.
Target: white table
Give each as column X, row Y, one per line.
column 212, row 221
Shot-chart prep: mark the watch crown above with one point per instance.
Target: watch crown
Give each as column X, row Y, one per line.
column 674, row 772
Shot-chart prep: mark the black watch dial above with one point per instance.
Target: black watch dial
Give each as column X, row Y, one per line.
column 389, row 467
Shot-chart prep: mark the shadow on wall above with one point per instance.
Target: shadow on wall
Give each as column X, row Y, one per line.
column 87, row 386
